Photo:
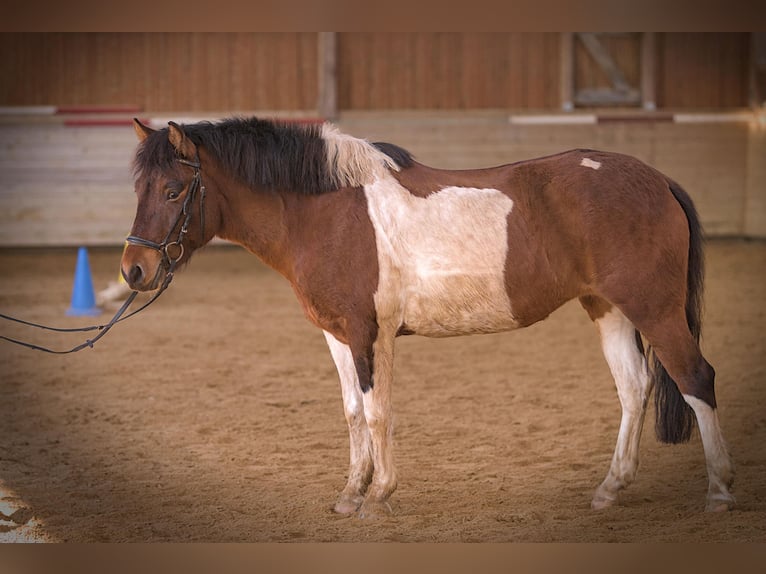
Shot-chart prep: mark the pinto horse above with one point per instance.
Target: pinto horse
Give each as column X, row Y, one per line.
column 377, row 245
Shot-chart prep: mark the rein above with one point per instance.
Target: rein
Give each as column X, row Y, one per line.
column 170, row 261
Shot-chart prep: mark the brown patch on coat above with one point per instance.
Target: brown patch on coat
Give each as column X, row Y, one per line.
column 421, row 180
column 334, row 263
column 596, row 307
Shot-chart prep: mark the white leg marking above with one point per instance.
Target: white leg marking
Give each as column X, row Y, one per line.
column 628, row 367
column 379, row 414
column 441, row 258
column 719, row 467
column 586, row 162
column 360, row 464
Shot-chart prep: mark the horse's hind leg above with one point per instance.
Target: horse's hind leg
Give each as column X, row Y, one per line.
column 360, row 465
column 719, row 468
column 681, row 358
column 628, row 367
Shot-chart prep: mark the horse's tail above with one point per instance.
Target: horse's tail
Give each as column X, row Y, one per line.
column 674, row 417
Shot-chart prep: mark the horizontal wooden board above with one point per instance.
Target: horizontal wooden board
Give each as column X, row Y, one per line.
column 72, row 186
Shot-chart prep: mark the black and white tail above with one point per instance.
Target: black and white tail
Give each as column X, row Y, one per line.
column 674, row 417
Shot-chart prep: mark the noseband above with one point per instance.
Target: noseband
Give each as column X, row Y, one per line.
column 172, row 251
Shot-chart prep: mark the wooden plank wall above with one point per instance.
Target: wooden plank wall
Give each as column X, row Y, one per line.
column 448, row 70
column 65, row 185
column 160, row 71
column 375, row 71
column 755, row 195
column 703, row 70
column 72, row 185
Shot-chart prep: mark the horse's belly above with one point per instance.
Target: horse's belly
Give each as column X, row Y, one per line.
column 456, row 304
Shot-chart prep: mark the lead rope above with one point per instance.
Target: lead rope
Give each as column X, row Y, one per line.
column 104, row 329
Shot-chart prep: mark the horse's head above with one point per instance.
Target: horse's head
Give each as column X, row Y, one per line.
column 170, row 217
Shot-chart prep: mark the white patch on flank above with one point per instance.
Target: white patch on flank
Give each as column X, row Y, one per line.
column 441, row 259
column 355, row 161
column 587, row 162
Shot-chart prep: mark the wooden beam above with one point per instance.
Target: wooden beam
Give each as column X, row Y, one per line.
column 566, row 79
column 757, row 71
column 327, row 99
column 648, row 60
column 604, row 60
column 607, row 97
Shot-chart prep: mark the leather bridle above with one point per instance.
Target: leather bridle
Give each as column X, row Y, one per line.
column 172, row 252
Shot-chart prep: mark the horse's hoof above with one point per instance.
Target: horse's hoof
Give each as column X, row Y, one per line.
column 348, row 504
column 374, row 509
column 601, row 501
column 720, row 504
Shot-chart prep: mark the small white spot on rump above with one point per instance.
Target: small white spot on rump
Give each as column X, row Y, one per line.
column 587, row 162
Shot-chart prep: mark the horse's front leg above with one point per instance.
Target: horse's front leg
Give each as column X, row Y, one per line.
column 379, row 415
column 360, row 465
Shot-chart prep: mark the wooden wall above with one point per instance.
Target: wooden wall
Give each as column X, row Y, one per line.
column 447, row 70
column 703, row 70
column 64, row 185
column 160, row 72
column 201, row 72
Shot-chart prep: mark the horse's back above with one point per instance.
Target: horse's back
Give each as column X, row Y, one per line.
column 503, row 247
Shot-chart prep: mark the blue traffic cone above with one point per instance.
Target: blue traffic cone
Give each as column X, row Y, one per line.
column 83, row 295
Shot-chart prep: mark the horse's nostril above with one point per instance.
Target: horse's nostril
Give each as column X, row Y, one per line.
column 136, row 275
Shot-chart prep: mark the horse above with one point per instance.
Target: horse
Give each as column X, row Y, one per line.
column 377, row 245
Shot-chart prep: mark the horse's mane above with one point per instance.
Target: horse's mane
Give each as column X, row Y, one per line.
column 309, row 159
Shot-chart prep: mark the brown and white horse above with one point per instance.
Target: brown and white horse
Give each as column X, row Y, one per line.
column 376, row 246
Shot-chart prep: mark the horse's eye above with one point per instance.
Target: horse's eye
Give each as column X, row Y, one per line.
column 173, row 194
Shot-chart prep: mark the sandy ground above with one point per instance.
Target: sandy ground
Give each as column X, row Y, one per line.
column 216, row 416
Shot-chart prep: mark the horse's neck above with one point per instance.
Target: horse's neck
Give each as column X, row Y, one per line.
column 255, row 220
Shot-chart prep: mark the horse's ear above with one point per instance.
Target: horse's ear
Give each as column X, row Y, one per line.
column 142, row 131
column 184, row 146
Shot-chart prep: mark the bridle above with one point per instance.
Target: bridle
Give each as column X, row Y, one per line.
column 169, row 263
column 167, row 247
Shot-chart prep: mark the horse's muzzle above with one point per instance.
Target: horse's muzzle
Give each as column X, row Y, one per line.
column 142, row 271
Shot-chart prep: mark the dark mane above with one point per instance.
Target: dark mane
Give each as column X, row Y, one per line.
column 277, row 155
column 401, row 156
